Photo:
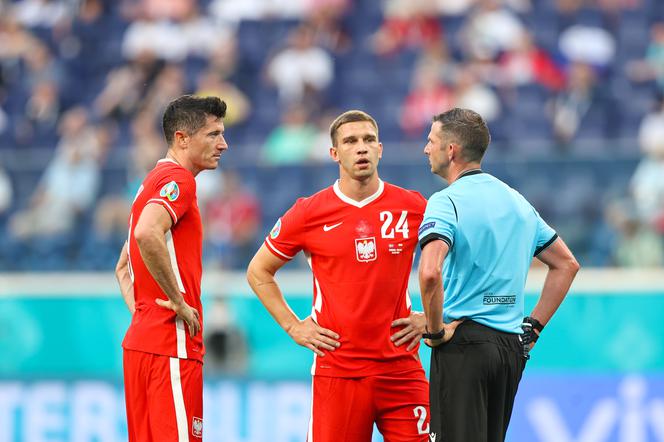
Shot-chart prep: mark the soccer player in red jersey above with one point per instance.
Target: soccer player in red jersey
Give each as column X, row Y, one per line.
column 159, row 271
column 359, row 236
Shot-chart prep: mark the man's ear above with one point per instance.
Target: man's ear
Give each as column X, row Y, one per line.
column 333, row 154
column 181, row 139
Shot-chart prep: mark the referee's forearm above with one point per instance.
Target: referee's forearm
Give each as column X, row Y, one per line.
column 431, row 287
column 556, row 285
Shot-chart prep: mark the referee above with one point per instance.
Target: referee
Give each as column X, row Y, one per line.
column 478, row 238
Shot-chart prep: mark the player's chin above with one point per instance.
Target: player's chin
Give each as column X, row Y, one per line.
column 214, row 162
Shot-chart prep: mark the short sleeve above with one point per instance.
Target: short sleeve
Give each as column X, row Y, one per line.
column 440, row 220
column 286, row 238
column 545, row 235
column 175, row 191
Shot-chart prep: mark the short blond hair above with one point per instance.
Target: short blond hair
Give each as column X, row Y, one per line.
column 350, row 116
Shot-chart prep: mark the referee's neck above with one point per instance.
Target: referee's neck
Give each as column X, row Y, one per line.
column 459, row 170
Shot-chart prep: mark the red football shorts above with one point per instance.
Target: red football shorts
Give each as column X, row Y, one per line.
column 164, row 398
column 345, row 409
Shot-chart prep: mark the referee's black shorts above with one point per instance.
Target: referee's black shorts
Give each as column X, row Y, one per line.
column 474, row 378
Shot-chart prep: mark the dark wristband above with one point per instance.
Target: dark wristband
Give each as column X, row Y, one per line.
column 434, row 336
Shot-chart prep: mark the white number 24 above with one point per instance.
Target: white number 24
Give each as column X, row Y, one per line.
column 401, row 227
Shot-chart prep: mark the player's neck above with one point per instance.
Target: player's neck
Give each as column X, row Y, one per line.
column 181, row 160
column 359, row 190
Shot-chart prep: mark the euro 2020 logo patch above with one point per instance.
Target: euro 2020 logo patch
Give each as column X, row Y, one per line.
column 171, row 191
column 276, row 229
column 365, row 249
column 197, row 427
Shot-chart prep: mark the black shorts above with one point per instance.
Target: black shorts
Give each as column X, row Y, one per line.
column 474, row 378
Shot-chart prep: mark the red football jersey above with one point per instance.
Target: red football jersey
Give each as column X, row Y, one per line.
column 155, row 329
column 361, row 254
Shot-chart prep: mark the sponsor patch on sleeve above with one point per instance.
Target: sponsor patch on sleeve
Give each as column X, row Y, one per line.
column 276, row 229
column 426, row 226
column 170, row 191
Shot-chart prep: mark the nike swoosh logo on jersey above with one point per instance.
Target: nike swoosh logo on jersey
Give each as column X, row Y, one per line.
column 327, row 228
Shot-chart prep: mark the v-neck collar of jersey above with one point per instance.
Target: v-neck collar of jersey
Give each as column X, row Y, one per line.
column 364, row 202
column 168, row 160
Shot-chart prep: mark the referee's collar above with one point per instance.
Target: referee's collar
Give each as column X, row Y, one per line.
column 469, row 173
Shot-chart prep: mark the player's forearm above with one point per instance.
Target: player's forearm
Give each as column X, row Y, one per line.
column 154, row 252
column 268, row 292
column 127, row 289
column 124, row 279
column 556, row 285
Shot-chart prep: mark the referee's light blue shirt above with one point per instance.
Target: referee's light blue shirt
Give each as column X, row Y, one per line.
column 493, row 234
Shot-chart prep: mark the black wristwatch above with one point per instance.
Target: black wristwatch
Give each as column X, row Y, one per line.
column 534, row 323
column 434, row 336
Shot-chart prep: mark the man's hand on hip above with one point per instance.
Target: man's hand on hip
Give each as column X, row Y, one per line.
column 312, row 336
column 185, row 312
column 413, row 327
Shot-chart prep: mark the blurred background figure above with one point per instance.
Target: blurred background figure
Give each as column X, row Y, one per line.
column 231, row 216
column 292, row 141
column 69, row 185
column 302, row 70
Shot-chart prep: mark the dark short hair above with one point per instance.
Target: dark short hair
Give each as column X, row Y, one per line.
column 468, row 129
column 350, row 116
column 188, row 114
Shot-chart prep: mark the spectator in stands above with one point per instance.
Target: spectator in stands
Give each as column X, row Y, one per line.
column 212, row 83
column 293, row 140
column 569, row 107
column 236, row 11
column 648, row 181
column 490, row 29
column 301, row 71
column 408, row 24
column 637, row 245
column 526, row 64
column 590, row 45
column 231, row 220
column 41, row 13
column 429, row 95
column 42, row 110
column 70, row 182
column 181, row 33
column 126, row 86
column 169, row 84
column 470, row 93
column 651, row 67
column 324, row 17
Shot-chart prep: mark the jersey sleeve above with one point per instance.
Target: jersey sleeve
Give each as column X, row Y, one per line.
column 544, row 236
column 286, row 238
column 175, row 191
column 440, row 220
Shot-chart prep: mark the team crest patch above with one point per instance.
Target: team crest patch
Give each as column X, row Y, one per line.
column 197, row 427
column 276, row 229
column 365, row 249
column 171, row 191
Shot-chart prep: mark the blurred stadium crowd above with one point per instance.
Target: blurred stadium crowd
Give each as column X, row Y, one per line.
column 572, row 91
